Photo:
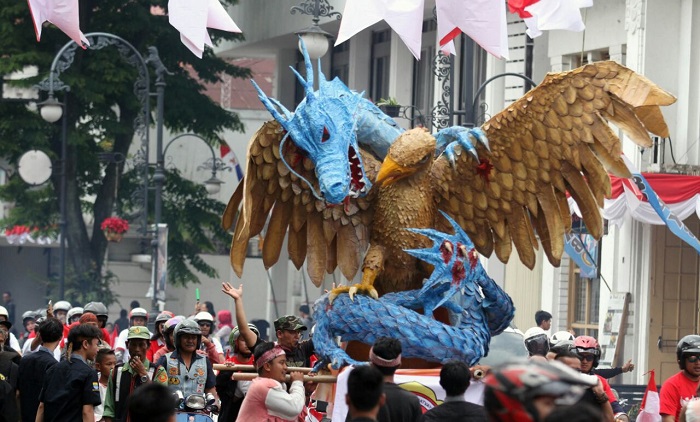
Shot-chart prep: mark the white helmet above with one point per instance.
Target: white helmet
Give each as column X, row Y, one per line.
column 3, row 312
column 62, row 305
column 560, row 336
column 76, row 311
column 138, row 312
column 204, row 316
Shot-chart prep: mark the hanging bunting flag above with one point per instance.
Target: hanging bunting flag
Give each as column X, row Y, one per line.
column 484, row 21
column 228, row 156
column 548, row 15
column 669, row 218
column 583, row 249
column 64, row 14
column 192, row 18
column 404, row 16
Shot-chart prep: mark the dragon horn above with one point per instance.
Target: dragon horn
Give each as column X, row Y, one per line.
column 268, row 104
column 286, row 112
column 302, row 81
column 321, row 76
column 309, row 83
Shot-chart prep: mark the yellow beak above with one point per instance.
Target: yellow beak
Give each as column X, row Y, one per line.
column 391, row 171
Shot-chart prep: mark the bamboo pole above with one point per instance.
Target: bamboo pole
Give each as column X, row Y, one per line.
column 247, row 376
column 251, row 368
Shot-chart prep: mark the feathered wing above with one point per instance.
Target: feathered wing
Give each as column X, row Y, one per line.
column 270, row 194
column 552, row 141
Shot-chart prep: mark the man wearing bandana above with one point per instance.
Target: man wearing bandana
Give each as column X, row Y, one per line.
column 400, row 405
column 268, row 398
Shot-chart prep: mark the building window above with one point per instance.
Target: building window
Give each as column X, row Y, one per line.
column 473, row 73
column 584, row 303
column 341, row 62
column 578, row 60
column 381, row 49
column 424, row 78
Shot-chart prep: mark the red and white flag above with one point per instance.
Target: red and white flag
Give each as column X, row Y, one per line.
column 62, row 13
column 547, row 15
column 192, row 18
column 405, row 17
column 484, row 21
column 649, row 410
column 229, row 158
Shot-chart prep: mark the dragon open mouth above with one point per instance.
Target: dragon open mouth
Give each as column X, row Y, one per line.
column 357, row 184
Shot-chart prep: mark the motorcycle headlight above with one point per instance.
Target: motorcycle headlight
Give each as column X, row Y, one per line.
column 210, row 399
column 195, row 401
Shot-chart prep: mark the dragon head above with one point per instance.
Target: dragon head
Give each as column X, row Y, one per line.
column 323, row 126
column 456, row 265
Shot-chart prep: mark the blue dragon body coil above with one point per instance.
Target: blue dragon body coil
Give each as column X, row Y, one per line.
column 477, row 306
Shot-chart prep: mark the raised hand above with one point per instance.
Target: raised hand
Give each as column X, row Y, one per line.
column 228, row 289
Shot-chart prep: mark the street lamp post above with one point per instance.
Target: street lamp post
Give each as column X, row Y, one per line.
column 212, row 185
column 52, row 110
column 315, row 38
column 215, row 164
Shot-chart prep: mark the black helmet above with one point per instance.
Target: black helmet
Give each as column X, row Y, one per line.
column 689, row 344
column 536, row 341
column 97, row 308
column 187, row 326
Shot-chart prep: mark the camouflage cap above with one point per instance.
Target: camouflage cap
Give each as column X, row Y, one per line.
column 289, row 322
column 138, row 332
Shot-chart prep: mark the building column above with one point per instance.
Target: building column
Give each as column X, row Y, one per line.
column 360, row 61
column 401, row 71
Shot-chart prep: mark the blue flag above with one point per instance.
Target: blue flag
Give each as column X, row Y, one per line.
column 670, row 219
column 584, row 251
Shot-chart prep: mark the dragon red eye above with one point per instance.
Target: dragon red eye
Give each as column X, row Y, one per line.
column 326, row 135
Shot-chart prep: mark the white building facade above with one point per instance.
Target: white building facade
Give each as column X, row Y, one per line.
column 653, row 37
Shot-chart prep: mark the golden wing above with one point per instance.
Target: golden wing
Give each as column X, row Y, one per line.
column 326, row 237
column 553, row 140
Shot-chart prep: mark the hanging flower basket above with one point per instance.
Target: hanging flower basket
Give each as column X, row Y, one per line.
column 113, row 237
column 114, row 228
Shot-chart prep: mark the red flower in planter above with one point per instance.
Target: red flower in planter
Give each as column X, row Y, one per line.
column 114, row 225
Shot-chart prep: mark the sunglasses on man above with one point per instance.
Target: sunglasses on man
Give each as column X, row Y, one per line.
column 587, row 358
column 692, row 358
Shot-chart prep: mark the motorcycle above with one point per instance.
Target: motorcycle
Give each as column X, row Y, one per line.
column 196, row 407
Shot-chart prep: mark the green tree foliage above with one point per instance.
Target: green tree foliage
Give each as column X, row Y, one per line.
column 101, row 105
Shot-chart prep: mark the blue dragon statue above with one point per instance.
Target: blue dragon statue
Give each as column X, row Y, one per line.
column 331, row 123
column 341, row 185
column 477, row 306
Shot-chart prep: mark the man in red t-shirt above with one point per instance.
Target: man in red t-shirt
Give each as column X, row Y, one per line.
column 680, row 388
column 231, row 393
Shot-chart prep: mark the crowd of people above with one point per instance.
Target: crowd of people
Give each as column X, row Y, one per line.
column 67, row 365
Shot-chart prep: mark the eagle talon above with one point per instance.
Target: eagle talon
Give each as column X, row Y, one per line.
column 362, row 288
column 352, row 292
